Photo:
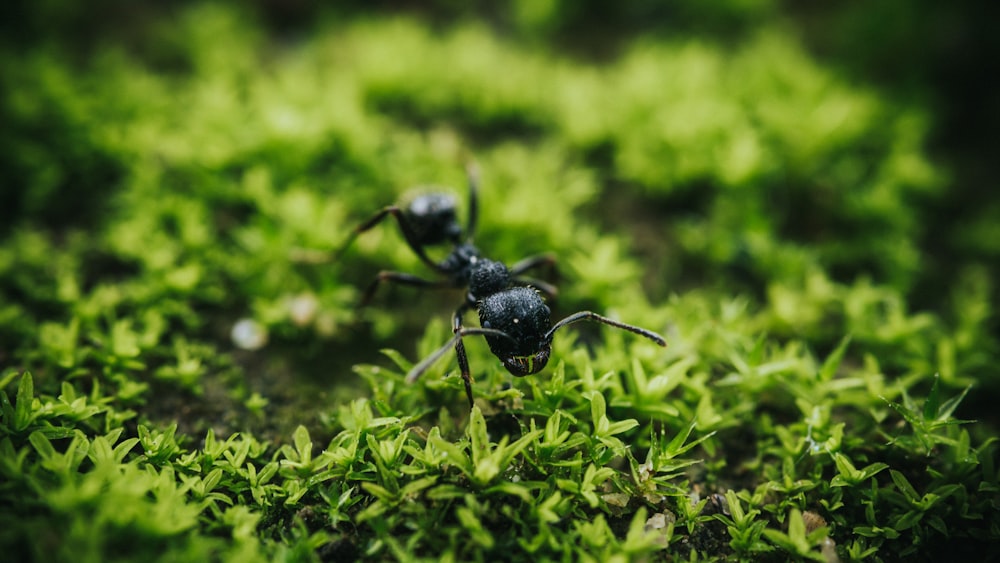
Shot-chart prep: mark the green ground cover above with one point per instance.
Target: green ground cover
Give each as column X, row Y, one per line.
column 826, row 393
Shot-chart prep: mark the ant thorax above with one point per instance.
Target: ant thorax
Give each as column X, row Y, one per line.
column 488, row 277
column 459, row 263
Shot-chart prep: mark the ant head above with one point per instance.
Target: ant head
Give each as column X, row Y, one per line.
column 521, row 315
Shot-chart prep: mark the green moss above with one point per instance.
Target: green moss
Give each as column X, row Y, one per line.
column 767, row 215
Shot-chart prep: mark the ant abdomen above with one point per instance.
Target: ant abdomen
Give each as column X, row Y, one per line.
column 433, row 219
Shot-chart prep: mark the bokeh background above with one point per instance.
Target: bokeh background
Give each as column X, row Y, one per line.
column 757, row 179
column 760, row 147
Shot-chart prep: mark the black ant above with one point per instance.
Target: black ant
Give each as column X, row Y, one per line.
column 431, row 219
column 516, row 323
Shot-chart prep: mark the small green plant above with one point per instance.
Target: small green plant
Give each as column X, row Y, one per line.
column 186, row 377
column 932, row 425
column 797, row 541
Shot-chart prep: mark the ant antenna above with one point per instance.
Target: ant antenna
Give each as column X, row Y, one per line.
column 590, row 316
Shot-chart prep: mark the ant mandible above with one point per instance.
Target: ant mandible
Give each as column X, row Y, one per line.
column 431, row 219
column 516, row 323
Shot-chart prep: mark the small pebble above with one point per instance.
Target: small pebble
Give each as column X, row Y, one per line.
column 248, row 334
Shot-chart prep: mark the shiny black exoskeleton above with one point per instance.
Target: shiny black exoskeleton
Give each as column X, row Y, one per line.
column 516, row 323
column 431, row 219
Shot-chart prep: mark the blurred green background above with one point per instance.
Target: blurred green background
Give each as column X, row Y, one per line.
column 179, row 152
column 756, row 179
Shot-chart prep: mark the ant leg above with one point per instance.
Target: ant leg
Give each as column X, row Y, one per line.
column 532, row 262
column 472, row 173
column 400, row 278
column 369, row 224
column 463, row 359
column 404, row 226
column 550, row 291
column 427, row 362
column 589, row 316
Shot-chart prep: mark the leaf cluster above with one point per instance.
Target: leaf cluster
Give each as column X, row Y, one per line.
column 177, row 374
